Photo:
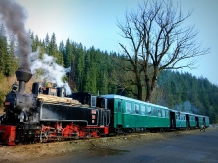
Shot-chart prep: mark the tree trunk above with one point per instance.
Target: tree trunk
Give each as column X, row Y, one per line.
column 139, row 96
column 148, row 93
column 148, row 88
column 150, row 85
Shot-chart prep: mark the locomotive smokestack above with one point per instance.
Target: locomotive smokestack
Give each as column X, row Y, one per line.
column 23, row 75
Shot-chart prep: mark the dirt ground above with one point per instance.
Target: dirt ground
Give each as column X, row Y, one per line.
column 22, row 153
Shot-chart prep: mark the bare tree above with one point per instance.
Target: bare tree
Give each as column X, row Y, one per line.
column 158, row 40
column 127, row 77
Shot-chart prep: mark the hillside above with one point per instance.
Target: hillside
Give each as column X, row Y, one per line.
column 92, row 70
column 184, row 92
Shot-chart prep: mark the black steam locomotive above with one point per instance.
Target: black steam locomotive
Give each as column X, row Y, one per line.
column 47, row 114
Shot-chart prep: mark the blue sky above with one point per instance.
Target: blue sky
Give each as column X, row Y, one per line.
column 93, row 23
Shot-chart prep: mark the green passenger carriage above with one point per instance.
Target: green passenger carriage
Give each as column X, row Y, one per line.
column 178, row 119
column 181, row 120
column 200, row 120
column 207, row 121
column 128, row 113
column 191, row 120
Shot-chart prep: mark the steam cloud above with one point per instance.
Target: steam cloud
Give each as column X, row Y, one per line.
column 187, row 106
column 51, row 71
column 14, row 16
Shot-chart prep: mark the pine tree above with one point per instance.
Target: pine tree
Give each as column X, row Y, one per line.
column 68, row 55
column 3, row 49
column 80, row 66
column 90, row 84
column 11, row 61
column 46, row 43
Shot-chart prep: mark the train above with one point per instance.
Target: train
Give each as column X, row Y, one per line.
column 128, row 114
column 48, row 114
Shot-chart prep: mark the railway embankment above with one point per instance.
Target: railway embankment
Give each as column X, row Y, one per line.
column 22, row 153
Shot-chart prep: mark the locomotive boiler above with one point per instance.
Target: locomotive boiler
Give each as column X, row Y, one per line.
column 47, row 114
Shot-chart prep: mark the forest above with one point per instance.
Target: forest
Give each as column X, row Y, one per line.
column 96, row 71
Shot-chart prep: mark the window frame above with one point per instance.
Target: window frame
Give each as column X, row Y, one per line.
column 128, row 107
column 136, row 106
column 149, row 109
column 143, row 107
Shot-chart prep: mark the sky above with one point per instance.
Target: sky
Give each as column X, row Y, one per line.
column 93, row 23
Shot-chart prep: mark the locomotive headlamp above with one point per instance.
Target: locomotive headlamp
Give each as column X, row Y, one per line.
column 14, row 86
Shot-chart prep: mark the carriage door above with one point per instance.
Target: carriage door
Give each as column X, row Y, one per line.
column 197, row 122
column 118, row 105
column 187, row 120
column 172, row 119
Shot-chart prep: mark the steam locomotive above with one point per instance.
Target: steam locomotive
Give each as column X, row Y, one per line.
column 47, row 114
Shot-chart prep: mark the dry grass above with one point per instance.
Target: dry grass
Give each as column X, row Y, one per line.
column 5, row 87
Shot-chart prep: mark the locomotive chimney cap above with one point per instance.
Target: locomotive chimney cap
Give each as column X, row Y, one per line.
column 23, row 74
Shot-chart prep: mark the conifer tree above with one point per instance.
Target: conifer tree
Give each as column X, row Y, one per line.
column 3, row 49
column 80, row 66
column 46, row 43
column 11, row 61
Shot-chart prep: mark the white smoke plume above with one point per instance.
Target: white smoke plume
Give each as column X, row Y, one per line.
column 51, row 71
column 14, row 16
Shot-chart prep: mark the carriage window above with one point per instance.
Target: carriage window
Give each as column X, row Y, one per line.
column 142, row 109
column 178, row 116
column 128, row 107
column 136, row 109
column 159, row 112
column 163, row 113
column 149, row 110
column 154, row 111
